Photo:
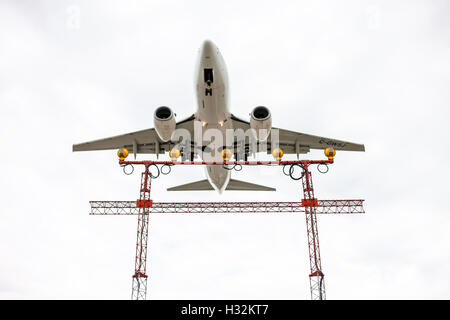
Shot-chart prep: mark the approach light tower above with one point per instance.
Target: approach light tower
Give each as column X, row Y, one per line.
column 145, row 206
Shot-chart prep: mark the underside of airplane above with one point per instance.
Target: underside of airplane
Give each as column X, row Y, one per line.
column 205, row 134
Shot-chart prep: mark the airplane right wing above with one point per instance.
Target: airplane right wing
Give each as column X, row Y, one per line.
column 296, row 142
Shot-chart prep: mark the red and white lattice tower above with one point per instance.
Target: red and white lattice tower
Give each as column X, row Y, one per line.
column 139, row 286
column 144, row 206
column 316, row 276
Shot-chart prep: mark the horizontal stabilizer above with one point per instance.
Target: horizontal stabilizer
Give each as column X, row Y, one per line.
column 202, row 185
column 242, row 185
column 233, row 185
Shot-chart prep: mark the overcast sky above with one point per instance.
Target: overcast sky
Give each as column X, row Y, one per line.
column 372, row 72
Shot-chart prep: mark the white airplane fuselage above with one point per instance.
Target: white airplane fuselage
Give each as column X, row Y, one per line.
column 212, row 90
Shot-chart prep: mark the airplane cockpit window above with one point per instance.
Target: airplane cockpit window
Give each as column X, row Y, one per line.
column 208, row 75
column 209, row 79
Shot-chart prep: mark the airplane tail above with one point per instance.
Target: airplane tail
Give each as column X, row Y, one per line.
column 233, row 185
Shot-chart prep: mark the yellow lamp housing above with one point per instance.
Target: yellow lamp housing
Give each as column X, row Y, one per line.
column 226, row 154
column 122, row 153
column 330, row 153
column 174, row 154
column 277, row 153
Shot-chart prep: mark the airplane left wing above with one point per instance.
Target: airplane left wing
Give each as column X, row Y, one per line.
column 144, row 141
column 296, row 142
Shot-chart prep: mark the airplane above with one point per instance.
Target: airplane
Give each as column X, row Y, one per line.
column 213, row 112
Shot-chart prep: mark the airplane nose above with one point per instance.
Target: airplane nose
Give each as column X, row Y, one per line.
column 208, row 48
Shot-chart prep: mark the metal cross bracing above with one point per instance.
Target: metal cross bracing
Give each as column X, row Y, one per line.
column 145, row 206
column 316, row 281
column 139, row 286
column 132, row 207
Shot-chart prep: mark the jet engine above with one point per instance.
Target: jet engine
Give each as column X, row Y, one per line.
column 261, row 122
column 164, row 120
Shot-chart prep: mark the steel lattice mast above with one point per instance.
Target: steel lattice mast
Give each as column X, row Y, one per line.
column 144, row 206
column 316, row 277
column 139, row 286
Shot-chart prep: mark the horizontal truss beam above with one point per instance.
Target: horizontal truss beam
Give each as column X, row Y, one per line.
column 200, row 163
column 132, row 208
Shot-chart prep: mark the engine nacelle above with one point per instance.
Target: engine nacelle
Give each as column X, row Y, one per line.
column 261, row 122
column 164, row 120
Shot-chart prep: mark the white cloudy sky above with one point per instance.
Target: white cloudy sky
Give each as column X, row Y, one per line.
column 373, row 72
